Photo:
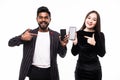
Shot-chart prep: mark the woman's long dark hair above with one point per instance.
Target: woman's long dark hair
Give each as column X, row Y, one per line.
column 98, row 24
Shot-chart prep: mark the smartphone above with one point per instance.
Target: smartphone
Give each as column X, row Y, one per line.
column 62, row 33
column 72, row 31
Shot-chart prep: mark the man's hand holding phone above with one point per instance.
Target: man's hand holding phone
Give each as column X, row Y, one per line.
column 63, row 37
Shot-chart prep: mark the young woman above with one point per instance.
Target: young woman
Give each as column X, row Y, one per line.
column 89, row 44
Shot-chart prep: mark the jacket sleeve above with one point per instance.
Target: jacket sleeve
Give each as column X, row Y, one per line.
column 62, row 50
column 15, row 41
column 100, row 45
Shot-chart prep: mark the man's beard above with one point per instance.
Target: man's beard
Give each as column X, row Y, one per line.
column 43, row 27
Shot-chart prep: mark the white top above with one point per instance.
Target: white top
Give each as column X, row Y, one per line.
column 41, row 56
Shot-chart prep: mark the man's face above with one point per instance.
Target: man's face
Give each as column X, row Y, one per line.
column 43, row 20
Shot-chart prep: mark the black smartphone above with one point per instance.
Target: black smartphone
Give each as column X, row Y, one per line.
column 72, row 31
column 62, row 33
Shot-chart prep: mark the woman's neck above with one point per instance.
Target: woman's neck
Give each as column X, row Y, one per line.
column 89, row 30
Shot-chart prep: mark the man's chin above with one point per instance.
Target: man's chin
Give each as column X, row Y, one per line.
column 43, row 28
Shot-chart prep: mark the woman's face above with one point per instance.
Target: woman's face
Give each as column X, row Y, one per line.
column 91, row 21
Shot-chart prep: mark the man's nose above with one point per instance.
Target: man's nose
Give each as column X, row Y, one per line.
column 43, row 19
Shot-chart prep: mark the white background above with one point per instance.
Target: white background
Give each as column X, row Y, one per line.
column 18, row 15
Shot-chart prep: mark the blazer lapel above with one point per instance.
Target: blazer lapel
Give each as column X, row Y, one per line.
column 34, row 39
column 51, row 43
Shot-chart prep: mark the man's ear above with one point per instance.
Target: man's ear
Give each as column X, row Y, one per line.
column 50, row 19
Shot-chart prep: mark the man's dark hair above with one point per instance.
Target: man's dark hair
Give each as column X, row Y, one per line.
column 43, row 9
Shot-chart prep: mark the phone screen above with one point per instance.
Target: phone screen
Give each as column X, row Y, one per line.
column 62, row 33
column 72, row 31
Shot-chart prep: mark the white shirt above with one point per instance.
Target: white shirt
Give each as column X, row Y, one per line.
column 41, row 56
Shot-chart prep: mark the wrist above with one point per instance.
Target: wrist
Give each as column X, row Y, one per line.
column 22, row 37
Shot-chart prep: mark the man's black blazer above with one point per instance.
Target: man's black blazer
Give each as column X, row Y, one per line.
column 28, row 52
